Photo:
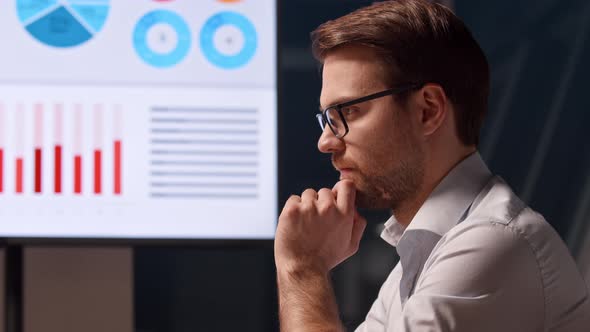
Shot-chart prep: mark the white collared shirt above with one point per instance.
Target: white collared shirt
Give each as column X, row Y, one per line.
column 476, row 258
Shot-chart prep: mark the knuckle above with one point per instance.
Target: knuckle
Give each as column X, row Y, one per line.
column 325, row 208
column 307, row 207
column 289, row 210
column 309, row 191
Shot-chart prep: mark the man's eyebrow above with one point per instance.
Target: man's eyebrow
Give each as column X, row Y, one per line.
column 340, row 100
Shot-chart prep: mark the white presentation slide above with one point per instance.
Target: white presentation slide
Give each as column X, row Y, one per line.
column 147, row 119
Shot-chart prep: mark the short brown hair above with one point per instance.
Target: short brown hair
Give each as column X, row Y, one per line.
column 419, row 42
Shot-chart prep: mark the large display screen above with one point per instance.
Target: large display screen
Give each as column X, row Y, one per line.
column 138, row 119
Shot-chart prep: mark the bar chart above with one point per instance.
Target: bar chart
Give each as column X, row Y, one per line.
column 2, row 130
column 43, row 146
column 129, row 162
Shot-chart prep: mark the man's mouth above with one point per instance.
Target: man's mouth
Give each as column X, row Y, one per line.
column 345, row 173
column 345, row 170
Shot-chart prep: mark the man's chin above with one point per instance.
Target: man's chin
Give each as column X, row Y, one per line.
column 368, row 201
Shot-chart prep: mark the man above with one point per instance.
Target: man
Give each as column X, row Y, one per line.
column 404, row 92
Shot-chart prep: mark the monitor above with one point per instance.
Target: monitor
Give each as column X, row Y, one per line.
column 144, row 119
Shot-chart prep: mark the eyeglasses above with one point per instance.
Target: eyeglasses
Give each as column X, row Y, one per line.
column 333, row 116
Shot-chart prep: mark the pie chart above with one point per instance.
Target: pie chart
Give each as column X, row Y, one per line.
column 62, row 23
column 162, row 38
column 228, row 40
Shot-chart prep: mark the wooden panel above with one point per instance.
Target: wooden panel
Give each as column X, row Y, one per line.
column 78, row 289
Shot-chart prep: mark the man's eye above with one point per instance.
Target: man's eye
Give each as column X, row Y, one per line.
column 349, row 111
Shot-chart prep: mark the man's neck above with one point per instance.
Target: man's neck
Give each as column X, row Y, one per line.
column 406, row 210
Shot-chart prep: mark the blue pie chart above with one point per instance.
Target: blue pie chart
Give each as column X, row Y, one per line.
column 162, row 38
column 62, row 23
column 228, row 40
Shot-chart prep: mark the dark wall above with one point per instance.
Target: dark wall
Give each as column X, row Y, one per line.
column 535, row 137
column 205, row 289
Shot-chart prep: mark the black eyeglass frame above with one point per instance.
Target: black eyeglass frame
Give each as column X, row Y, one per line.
column 323, row 119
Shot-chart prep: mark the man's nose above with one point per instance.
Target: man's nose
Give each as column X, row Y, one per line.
column 328, row 142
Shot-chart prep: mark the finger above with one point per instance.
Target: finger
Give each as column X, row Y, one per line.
column 326, row 195
column 293, row 199
column 309, row 195
column 291, row 203
column 290, row 209
column 345, row 195
column 358, row 228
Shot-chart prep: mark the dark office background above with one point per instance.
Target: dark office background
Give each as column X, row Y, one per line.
column 535, row 137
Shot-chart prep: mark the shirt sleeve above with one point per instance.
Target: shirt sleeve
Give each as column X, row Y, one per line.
column 481, row 277
column 376, row 319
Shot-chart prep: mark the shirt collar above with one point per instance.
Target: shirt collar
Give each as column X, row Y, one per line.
column 448, row 202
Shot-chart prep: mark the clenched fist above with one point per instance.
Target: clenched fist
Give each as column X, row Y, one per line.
column 318, row 230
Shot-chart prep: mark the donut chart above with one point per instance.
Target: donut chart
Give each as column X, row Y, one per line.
column 63, row 23
column 228, row 40
column 162, row 38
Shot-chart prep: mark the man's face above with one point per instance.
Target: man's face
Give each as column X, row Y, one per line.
column 382, row 152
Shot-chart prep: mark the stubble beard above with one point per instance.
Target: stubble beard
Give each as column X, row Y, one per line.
column 388, row 189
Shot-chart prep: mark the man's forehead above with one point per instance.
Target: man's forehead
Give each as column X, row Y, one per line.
column 352, row 60
column 350, row 72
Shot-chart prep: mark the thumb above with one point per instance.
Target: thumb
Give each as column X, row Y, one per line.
column 345, row 194
column 358, row 227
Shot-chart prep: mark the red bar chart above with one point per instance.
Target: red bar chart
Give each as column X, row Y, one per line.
column 1, row 170
column 56, row 149
column 38, row 139
column 2, row 130
column 78, row 122
column 117, row 166
column 118, row 150
column 19, row 175
column 19, row 148
column 98, row 125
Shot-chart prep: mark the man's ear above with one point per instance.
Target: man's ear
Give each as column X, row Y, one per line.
column 433, row 108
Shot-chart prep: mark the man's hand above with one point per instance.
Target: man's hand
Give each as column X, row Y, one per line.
column 318, row 230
